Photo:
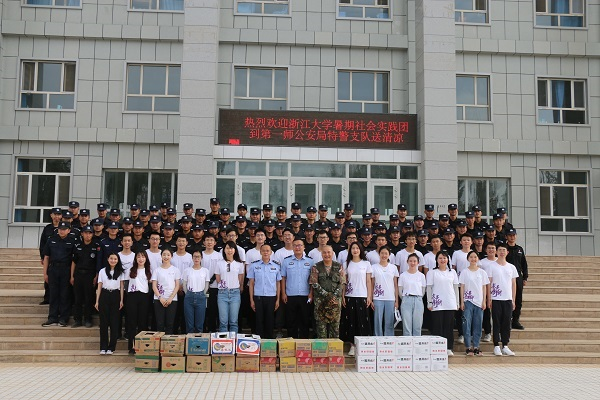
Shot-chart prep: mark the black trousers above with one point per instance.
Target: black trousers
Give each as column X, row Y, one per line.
column 298, row 314
column 211, row 323
column 247, row 317
column 137, row 315
column 165, row 316
column 516, row 314
column 83, row 288
column 501, row 315
column 108, row 307
column 442, row 324
column 265, row 316
column 426, row 316
column 151, row 319
column 458, row 321
column 179, row 324
column 59, row 282
column 487, row 321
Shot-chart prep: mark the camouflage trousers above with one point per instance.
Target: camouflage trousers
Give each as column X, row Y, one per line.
column 324, row 329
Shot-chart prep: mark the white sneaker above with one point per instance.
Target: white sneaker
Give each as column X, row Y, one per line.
column 507, row 352
column 487, row 338
column 497, row 351
column 352, row 351
column 103, row 352
column 109, row 352
column 450, row 353
column 461, row 339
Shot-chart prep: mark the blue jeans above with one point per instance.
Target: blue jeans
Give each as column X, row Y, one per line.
column 384, row 317
column 412, row 315
column 229, row 307
column 194, row 310
column 472, row 319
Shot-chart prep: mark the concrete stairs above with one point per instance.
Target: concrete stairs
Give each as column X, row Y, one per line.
column 561, row 314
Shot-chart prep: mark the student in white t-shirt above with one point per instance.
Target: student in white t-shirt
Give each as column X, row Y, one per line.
column 137, row 297
column 473, row 283
column 343, row 255
column 459, row 264
column 322, row 239
column 210, row 258
column 229, row 274
column 373, row 255
column 127, row 259
column 385, row 293
column 182, row 260
column 442, row 298
column 503, row 280
column 165, row 285
column 109, row 302
column 195, row 284
column 402, row 255
column 412, row 286
column 485, row 264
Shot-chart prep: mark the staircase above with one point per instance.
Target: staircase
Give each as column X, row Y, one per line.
column 561, row 314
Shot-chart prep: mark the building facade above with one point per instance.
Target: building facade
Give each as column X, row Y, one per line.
column 118, row 101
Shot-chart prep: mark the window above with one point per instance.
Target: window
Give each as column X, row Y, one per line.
column 560, row 13
column 123, row 188
column 40, row 185
column 157, row 5
column 153, row 88
column 363, row 92
column 561, row 101
column 260, row 88
column 379, row 9
column 489, row 194
column 472, row 98
column 470, row 11
column 53, row 3
column 266, row 7
column 48, row 85
column 564, row 201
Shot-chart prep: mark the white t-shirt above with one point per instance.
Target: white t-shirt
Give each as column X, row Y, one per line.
column 384, row 282
column 315, row 254
column 474, row 282
column 127, row 262
column 442, row 284
column 210, row 261
column 109, row 284
column 281, row 254
column 165, row 281
column 486, row 264
column 155, row 259
column 195, row 279
column 459, row 260
column 229, row 280
column 139, row 283
column 412, row 284
column 501, row 277
column 373, row 257
column 241, row 252
column 253, row 255
column 342, row 257
column 429, row 261
column 182, row 262
column 402, row 257
column 356, row 278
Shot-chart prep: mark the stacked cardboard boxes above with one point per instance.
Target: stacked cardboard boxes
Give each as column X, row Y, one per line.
column 268, row 355
column 147, row 351
column 172, row 349
column 287, row 355
column 248, row 353
column 222, row 348
column 197, row 350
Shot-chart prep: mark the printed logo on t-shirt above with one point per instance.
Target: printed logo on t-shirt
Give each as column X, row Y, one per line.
column 349, row 288
column 496, row 291
column 223, row 284
column 132, row 287
column 436, row 301
column 161, row 289
column 469, row 295
column 378, row 290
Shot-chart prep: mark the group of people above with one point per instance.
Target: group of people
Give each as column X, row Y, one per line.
column 343, row 277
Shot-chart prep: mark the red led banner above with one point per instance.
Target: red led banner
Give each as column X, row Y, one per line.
column 317, row 129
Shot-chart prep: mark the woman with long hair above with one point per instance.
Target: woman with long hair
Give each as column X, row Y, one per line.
column 473, row 282
column 229, row 274
column 385, row 293
column 195, row 284
column 412, row 288
column 109, row 302
column 137, row 297
column 165, row 284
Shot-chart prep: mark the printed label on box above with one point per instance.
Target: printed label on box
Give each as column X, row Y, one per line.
column 197, row 344
column 198, row 364
column 403, row 363
column 287, row 347
column 224, row 363
column 172, row 364
column 247, row 363
column 287, row 364
column 248, row 344
column 268, row 347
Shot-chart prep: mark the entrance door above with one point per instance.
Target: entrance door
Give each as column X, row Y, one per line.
column 331, row 196
column 384, row 198
column 306, row 194
column 252, row 194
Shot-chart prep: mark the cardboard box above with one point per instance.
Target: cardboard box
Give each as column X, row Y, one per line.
column 366, row 363
column 439, row 362
column 197, row 344
column 172, row 345
column 303, row 364
column 198, row 364
column 404, row 363
column 244, row 363
column 305, row 368
column 222, row 343
column 287, row 364
column 268, row 347
column 421, row 363
column 386, row 345
column 337, row 364
column 386, row 363
column 438, row 345
column 223, row 363
column 335, row 348
column 248, row 345
column 320, row 364
column 320, row 348
column 172, row 364
column 421, row 345
column 148, row 343
column 365, row 345
column 268, row 364
column 303, row 348
column 146, row 363
column 404, row 346
column 287, row 347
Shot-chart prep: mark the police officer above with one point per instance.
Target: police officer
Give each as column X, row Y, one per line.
column 58, row 255
column 323, row 210
column 49, row 230
column 264, row 285
column 348, row 212
column 74, row 209
column 110, row 244
column 516, row 256
column 83, row 272
column 267, row 210
column 296, row 210
column 134, row 212
column 84, row 218
column 197, row 242
column 453, row 214
column 429, row 211
column 200, row 216
column 215, row 207
column 140, row 243
column 327, row 280
column 188, row 210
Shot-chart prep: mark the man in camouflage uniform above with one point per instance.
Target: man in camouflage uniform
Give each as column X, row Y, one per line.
column 327, row 279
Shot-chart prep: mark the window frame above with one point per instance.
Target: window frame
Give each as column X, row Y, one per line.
column 561, row 78
column 236, row 12
column 13, row 198
column 79, row 7
column 490, row 108
column 584, row 15
column 149, row 63
column 487, row 179
column 590, row 194
column 20, row 91
column 487, row 15
column 131, row 9
column 260, row 99
column 389, row 7
column 372, row 70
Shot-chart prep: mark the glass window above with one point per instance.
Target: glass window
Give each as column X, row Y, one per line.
column 472, row 98
column 260, row 88
column 409, row 195
column 266, row 7
column 560, row 13
column 561, row 101
column 40, row 185
column 225, row 167
column 278, row 169
column 123, row 188
column 157, row 5
column 153, row 88
column 53, row 3
column 471, row 11
column 376, row 9
column 226, row 192
column 384, row 172
column 489, row 194
column 252, row 168
column 564, row 201
column 319, row 170
column 48, row 85
column 358, row 171
column 363, row 91
column 278, row 191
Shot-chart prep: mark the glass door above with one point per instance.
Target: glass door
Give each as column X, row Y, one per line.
column 331, row 196
column 306, row 194
column 251, row 194
column 385, row 197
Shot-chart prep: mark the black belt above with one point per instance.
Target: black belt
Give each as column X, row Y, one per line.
column 110, row 290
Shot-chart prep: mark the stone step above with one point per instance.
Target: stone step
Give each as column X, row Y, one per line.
column 544, row 345
column 11, row 308
column 556, row 276
column 558, row 268
column 558, row 322
column 55, row 343
column 38, row 331
column 565, row 334
column 571, row 283
column 26, row 285
column 565, row 260
column 563, row 290
column 560, row 312
column 22, row 269
column 17, row 276
column 21, row 262
column 65, row 356
column 537, row 300
column 23, row 296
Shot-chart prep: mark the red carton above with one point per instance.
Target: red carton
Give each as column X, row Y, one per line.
column 336, row 364
column 320, row 364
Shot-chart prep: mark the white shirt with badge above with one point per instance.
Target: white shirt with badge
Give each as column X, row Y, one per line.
column 402, row 259
column 165, row 281
column 443, row 296
column 195, row 279
column 384, row 282
column 253, row 255
column 356, row 278
column 229, row 279
column 107, row 282
column 474, row 282
column 210, row 261
column 139, row 283
column 127, row 262
column 280, row 254
column 373, row 257
column 412, row 284
column 501, row 278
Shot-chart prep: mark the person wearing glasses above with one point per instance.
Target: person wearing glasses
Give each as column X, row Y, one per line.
column 229, row 274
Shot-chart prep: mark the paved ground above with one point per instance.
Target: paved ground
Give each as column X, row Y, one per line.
column 60, row 381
